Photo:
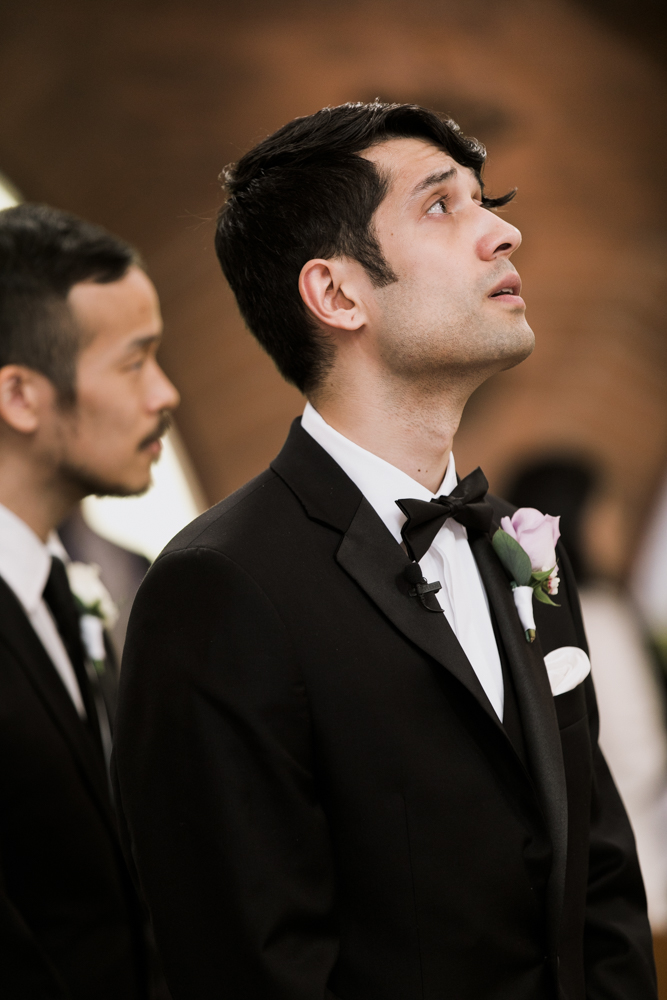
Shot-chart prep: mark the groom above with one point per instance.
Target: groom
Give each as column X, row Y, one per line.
column 343, row 771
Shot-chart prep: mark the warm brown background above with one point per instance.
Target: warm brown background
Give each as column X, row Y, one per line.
column 125, row 111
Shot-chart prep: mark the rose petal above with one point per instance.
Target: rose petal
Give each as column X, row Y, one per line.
column 555, row 526
column 527, row 517
column 507, row 526
column 535, row 534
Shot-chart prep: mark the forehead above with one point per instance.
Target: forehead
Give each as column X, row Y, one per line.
column 408, row 162
column 118, row 310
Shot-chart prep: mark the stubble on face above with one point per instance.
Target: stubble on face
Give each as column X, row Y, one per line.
column 106, row 438
column 84, row 481
column 434, row 342
column 436, row 325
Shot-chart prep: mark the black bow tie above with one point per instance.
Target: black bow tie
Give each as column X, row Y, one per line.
column 467, row 504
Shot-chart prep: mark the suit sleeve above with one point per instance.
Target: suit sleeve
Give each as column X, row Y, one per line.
column 213, row 771
column 618, row 950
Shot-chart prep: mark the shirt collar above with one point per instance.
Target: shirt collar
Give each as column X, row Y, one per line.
column 381, row 483
column 25, row 561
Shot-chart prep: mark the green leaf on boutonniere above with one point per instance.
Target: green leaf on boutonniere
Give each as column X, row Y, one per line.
column 513, row 557
column 544, row 597
column 88, row 609
column 539, row 576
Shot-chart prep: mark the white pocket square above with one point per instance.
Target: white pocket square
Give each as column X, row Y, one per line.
column 566, row 666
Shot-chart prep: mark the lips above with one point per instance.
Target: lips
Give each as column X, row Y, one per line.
column 510, row 284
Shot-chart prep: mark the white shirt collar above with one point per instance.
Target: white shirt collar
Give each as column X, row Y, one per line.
column 56, row 548
column 25, row 561
column 381, row 483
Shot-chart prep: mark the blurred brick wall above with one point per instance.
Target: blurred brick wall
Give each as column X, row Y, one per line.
column 125, row 112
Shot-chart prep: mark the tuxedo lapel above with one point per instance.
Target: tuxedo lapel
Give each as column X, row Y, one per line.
column 538, row 717
column 372, row 557
column 370, row 554
column 19, row 635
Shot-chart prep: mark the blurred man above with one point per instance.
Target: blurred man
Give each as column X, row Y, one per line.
column 344, row 770
column 83, row 404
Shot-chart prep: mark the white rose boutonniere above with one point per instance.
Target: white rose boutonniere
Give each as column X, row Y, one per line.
column 96, row 608
column 526, row 546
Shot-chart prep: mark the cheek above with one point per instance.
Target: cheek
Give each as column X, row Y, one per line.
column 105, row 420
column 437, row 269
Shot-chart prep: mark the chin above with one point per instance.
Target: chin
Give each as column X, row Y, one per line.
column 95, row 482
column 516, row 346
column 135, row 489
column 109, row 489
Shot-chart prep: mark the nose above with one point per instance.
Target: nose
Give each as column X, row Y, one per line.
column 164, row 394
column 500, row 238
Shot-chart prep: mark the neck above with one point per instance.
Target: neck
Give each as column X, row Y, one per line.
column 34, row 496
column 411, row 427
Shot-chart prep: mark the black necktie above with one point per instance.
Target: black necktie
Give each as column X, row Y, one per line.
column 467, row 504
column 60, row 600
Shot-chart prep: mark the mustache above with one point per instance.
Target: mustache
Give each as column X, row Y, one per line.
column 163, row 425
column 504, row 270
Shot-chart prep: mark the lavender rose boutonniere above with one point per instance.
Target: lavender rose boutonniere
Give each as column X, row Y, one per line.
column 526, row 546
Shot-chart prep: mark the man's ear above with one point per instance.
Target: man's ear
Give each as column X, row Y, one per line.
column 333, row 292
column 22, row 396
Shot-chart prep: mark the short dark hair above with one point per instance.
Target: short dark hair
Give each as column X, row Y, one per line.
column 44, row 252
column 304, row 192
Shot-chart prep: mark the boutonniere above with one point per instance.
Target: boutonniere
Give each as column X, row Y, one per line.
column 96, row 608
column 526, row 546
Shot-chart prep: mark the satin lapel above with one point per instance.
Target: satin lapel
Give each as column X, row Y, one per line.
column 538, row 718
column 371, row 556
column 19, row 635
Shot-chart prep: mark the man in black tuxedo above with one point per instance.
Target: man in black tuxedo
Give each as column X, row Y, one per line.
column 83, row 404
column 343, row 771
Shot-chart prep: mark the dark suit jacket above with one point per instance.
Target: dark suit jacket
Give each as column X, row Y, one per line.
column 70, row 922
column 318, row 796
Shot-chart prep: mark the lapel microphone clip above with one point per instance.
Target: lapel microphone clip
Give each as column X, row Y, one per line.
column 418, row 587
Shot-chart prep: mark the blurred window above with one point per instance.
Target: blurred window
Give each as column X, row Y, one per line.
column 649, row 578
column 8, row 194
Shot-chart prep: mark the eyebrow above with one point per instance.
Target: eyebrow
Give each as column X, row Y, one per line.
column 146, row 341
column 439, row 177
column 436, row 178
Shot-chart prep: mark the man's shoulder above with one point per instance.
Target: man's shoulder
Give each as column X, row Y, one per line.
column 263, row 499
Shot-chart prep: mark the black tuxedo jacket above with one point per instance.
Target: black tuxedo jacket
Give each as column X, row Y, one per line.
column 318, row 796
column 70, row 921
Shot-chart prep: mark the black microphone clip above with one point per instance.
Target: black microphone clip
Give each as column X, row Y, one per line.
column 419, row 587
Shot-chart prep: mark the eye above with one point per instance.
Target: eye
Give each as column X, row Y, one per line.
column 438, row 208
column 135, row 364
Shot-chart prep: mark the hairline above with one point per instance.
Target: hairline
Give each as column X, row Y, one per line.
column 83, row 338
column 388, row 175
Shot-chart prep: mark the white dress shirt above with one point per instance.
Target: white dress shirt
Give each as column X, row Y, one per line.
column 25, row 564
column 449, row 559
